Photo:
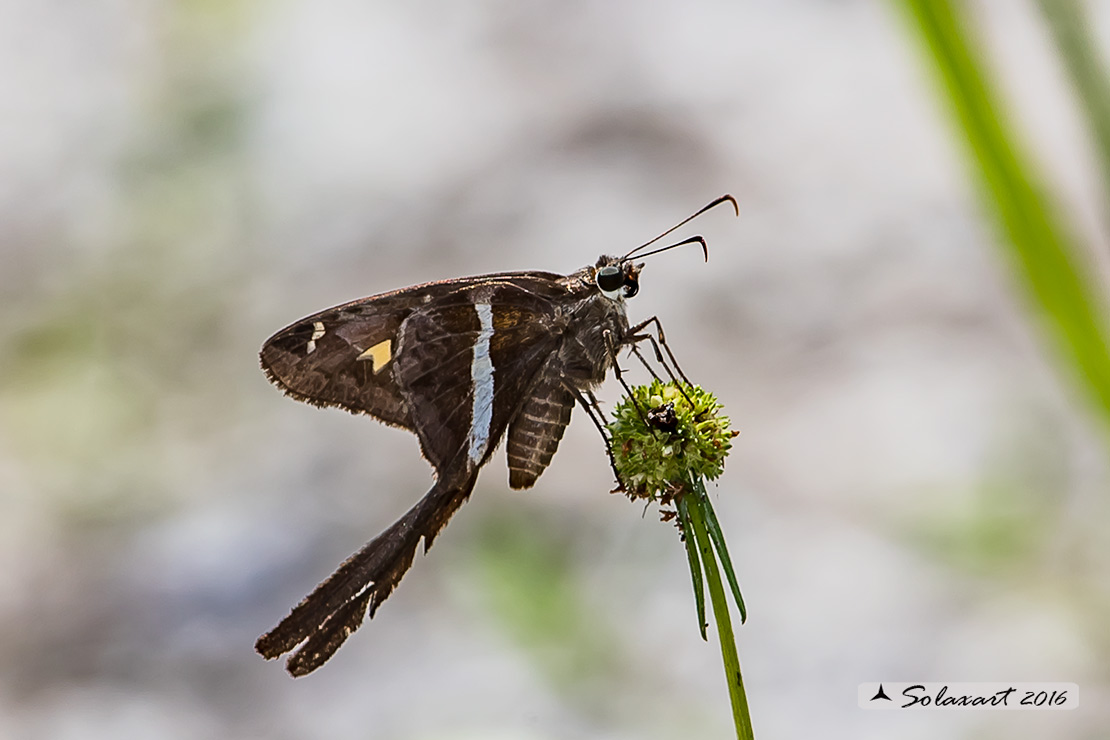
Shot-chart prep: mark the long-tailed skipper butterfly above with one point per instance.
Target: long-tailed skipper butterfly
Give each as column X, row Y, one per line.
column 462, row 364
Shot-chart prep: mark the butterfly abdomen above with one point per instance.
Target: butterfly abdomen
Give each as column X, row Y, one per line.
column 535, row 432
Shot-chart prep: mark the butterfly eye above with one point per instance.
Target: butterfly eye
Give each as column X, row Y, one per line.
column 610, row 278
column 631, row 287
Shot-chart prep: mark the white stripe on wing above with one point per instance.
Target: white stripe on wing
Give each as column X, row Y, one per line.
column 481, row 378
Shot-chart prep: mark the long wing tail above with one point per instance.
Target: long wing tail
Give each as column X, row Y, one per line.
column 336, row 608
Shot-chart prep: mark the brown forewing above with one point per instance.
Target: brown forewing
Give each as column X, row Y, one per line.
column 331, row 374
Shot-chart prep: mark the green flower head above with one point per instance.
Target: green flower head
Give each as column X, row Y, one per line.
column 664, row 435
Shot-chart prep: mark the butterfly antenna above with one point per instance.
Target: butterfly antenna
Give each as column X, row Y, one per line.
column 723, row 199
column 691, row 240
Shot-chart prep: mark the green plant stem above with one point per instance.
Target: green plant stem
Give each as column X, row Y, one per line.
column 717, row 598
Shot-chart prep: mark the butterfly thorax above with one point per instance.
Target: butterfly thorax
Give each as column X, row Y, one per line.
column 593, row 325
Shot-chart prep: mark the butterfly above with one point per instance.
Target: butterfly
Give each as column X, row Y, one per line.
column 463, row 364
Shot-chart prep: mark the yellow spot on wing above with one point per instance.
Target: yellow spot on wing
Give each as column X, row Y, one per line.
column 379, row 354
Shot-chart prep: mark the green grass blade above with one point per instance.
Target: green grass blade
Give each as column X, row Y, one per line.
column 1047, row 260
column 718, row 539
column 690, row 540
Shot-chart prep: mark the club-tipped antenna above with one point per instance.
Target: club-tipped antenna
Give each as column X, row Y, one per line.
column 691, row 240
column 724, row 198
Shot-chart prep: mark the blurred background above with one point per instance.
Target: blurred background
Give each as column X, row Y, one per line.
column 918, row 492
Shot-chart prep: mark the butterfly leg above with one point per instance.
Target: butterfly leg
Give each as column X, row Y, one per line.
column 597, row 416
column 643, row 360
column 634, row 336
column 613, row 348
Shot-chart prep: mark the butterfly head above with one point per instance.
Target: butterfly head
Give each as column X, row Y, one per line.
column 617, row 278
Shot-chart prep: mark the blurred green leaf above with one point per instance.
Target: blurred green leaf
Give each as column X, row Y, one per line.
column 1001, row 529
column 534, row 590
column 1047, row 259
column 1071, row 30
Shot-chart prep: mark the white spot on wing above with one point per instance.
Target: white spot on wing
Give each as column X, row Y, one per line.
column 317, row 332
column 481, row 378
